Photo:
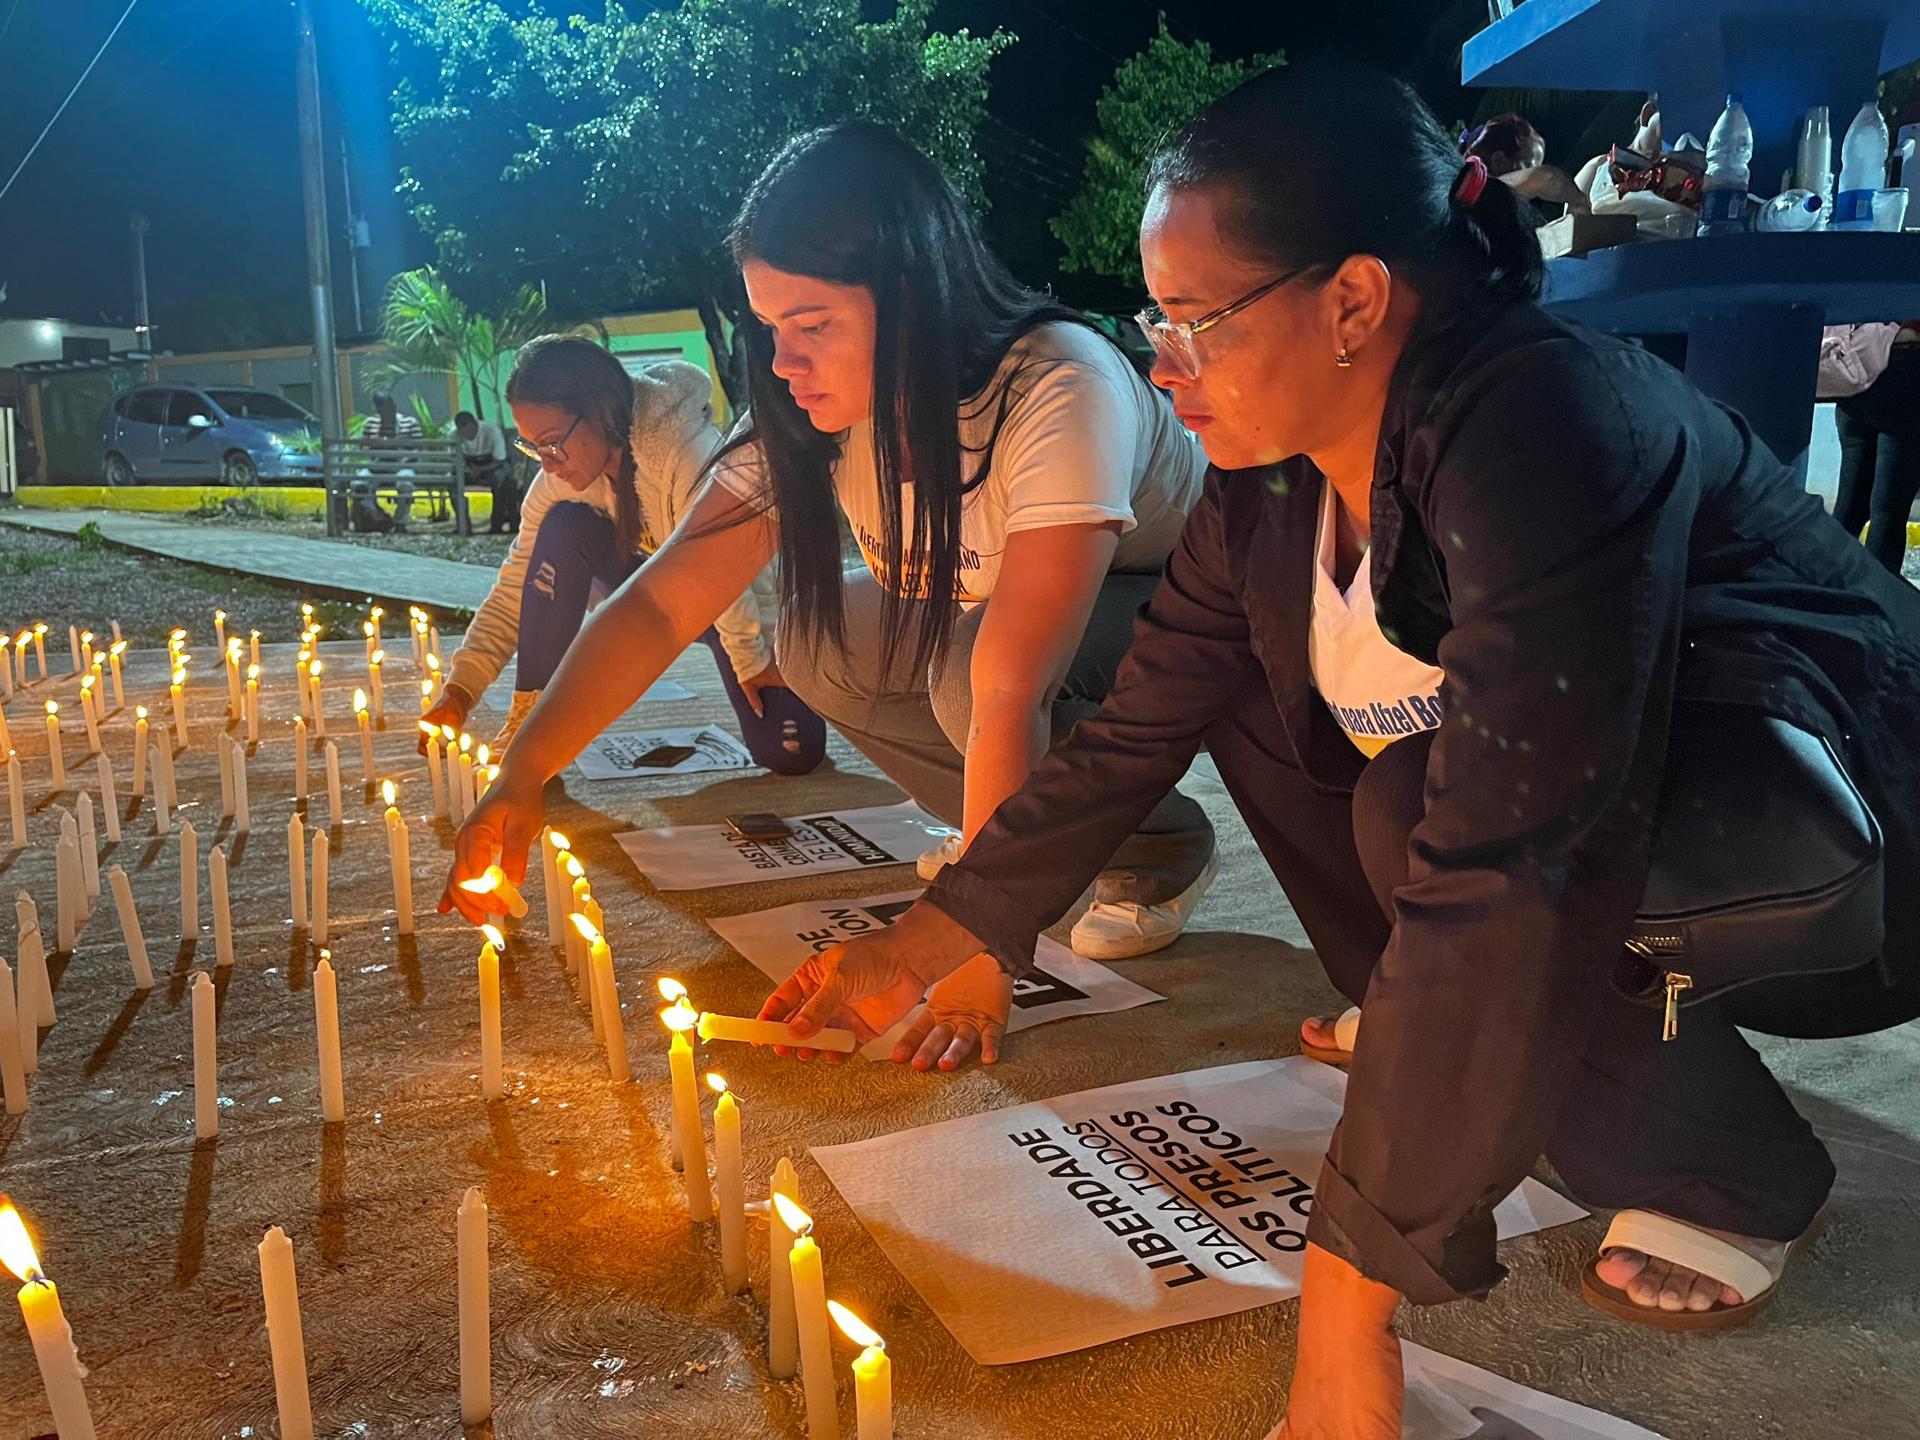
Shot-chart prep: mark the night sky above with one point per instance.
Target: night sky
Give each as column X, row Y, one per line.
column 189, row 118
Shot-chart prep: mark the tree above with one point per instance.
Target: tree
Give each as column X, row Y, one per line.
column 1156, row 91
column 607, row 156
column 429, row 329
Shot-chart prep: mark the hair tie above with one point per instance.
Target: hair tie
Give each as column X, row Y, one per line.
column 1472, row 180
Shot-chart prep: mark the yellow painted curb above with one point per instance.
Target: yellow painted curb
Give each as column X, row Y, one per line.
column 184, row 500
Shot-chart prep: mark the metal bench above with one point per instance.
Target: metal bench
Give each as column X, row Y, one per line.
column 411, row 467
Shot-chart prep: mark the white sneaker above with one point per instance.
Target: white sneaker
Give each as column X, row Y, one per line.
column 1111, row 931
column 523, row 703
column 937, row 859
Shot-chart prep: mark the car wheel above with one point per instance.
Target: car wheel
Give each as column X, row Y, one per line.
column 118, row 471
column 238, row 469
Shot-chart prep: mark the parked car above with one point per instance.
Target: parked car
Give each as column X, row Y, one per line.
column 173, row 434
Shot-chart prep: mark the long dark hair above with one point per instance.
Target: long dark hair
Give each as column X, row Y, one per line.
column 1330, row 159
column 582, row 377
column 854, row 204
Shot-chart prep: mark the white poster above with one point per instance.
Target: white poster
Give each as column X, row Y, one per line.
column 1059, row 985
column 1065, row 1223
column 499, row 695
column 624, row 754
column 694, row 857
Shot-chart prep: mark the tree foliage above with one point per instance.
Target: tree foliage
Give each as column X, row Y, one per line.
column 607, row 155
column 430, row 329
column 1161, row 88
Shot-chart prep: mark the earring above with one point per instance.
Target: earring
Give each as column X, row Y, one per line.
column 1342, row 358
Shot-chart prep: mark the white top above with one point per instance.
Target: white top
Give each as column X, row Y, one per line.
column 1376, row 692
column 487, row 440
column 1086, row 439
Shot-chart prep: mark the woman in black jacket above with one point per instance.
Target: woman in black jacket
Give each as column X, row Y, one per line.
column 1594, row 564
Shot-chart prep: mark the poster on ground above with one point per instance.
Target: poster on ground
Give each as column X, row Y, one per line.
column 697, row 857
column 628, row 754
column 1066, row 1223
column 1060, row 984
column 499, row 695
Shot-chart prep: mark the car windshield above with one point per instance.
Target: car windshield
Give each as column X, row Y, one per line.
column 257, row 405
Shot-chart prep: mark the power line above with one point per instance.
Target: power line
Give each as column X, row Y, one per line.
column 1068, row 166
column 1061, row 25
column 13, row 10
column 69, row 100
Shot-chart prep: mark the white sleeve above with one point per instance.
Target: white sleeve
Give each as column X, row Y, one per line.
column 498, row 445
column 494, row 634
column 744, row 634
column 743, row 473
column 1067, row 453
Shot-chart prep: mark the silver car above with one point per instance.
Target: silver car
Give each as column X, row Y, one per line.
column 175, row 434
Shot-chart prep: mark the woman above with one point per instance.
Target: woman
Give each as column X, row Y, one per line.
column 1013, row 483
column 1375, row 533
column 620, row 458
column 1880, row 452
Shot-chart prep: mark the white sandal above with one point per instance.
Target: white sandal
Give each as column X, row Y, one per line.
column 1346, row 1030
column 1709, row 1253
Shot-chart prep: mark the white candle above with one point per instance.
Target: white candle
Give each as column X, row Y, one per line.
column 220, row 628
column 465, row 786
column 335, row 815
column 40, row 649
column 61, row 1372
column 163, row 793
column 872, row 1375
column 476, row 1379
column 130, row 928
column 552, row 842
column 319, row 700
column 282, row 1294
column 242, row 802
column 491, row 1085
column 299, row 760
column 730, row 1181
column 399, row 860
column 433, row 641
column 379, row 689
column 686, row 1109
column 426, row 696
column 236, row 705
column 810, row 1316
column 297, row 869
column 577, row 951
column 318, row 927
column 89, row 716
column 69, row 883
column 114, row 653
column 33, row 959
column 225, row 758
column 177, row 692
column 436, row 773
column 222, row 910
column 13, row 1070
column 366, row 629
column 139, row 751
column 587, row 923
column 613, row 1032
column 326, row 1022
column 498, row 889
column 57, row 757
column 772, row 1032
column 253, row 703
column 109, row 800
column 6, row 665
column 89, row 843
column 783, row 1335
column 362, row 720
column 206, row 1069
column 73, row 639
column 26, row 1025
column 189, row 883
column 16, row 802
column 253, row 646
column 6, row 734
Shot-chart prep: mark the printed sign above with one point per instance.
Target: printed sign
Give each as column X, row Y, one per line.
column 1065, row 1223
column 622, row 755
column 1060, row 984
column 695, row 857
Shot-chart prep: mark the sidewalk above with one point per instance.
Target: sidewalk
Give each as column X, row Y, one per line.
column 351, row 572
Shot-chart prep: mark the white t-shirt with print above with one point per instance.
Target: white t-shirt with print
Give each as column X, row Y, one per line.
column 1377, row 693
column 1085, row 439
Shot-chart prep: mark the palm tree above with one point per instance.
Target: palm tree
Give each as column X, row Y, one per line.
column 430, row 329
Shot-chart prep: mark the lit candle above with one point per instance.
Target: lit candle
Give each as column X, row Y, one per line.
column 163, row 792
column 303, row 682
column 680, row 1018
column 222, row 910
column 57, row 755
column 189, row 883
column 282, row 1294
column 86, row 649
column 379, row 688
column 297, row 869
column 6, row 734
column 399, row 859
column 16, row 802
column 491, row 1087
column 6, row 665
column 176, row 643
column 253, row 646
column 326, row 1024
column 730, row 1181
column 361, row 719
column 73, row 639
column 373, row 618
column 336, row 816
column 613, row 1033
column 433, row 643
column 13, row 1068
column 60, row 1369
column 89, row 844
column 114, row 652
column 87, row 715
column 496, row 887
column 552, row 842
column 783, row 1336
column 426, row 696
column 39, row 648
column 299, row 760
column 177, row 691
column 20, row 655
column 366, row 629
column 318, row 928
column 810, row 1316
column 577, row 947
column 235, row 704
column 220, row 628
column 253, row 703
column 67, row 895
column 772, row 1032
column 109, row 800
column 466, row 776
column 591, row 909
column 872, row 1375
column 436, row 772
column 130, row 928
column 206, row 1081
column 139, row 751
column 242, row 803
column 319, row 700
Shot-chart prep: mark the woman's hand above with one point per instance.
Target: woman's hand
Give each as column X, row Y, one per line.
column 452, row 708
column 767, row 679
column 505, row 822
column 868, row 984
column 1347, row 1380
column 966, row 1009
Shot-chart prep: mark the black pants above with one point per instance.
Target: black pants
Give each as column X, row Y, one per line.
column 505, row 485
column 1696, row 1128
column 1880, row 457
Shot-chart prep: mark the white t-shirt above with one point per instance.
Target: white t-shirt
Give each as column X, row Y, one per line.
column 1086, row 439
column 487, row 442
column 1377, row 693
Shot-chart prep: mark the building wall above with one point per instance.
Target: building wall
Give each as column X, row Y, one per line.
column 25, row 340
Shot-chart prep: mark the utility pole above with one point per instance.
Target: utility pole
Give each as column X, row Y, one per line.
column 357, row 236
column 313, row 185
column 142, row 321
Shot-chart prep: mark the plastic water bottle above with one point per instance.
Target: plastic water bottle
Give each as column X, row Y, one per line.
column 1813, row 161
column 1723, row 201
column 1790, row 210
column 1863, row 169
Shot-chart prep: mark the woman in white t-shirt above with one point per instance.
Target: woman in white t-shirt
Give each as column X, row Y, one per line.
column 983, row 443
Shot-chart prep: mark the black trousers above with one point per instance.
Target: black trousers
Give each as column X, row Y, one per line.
column 1880, row 457
column 1696, row 1128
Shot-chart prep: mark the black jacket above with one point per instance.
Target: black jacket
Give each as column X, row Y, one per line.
column 1578, row 538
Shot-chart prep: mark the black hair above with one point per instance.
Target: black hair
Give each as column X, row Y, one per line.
column 1389, row 188
column 854, row 204
column 465, row 417
column 583, row 378
column 1502, row 141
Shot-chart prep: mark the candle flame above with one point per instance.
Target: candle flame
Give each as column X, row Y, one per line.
column 791, row 1215
column 377, row 658
column 40, row 627
column 466, row 743
column 53, row 707
column 119, row 647
column 139, row 712
column 670, row 988
column 387, row 792
column 176, row 635
column 315, row 668
column 433, row 663
column 253, row 634
column 426, row 689
column 86, row 637
column 377, row 612
column 575, row 868
column 221, row 616
column 233, row 645
column 480, row 755
column 23, row 637
column 429, row 729
column 446, row 731
column 560, row 841
column 366, row 629
column 87, row 684
column 585, row 926
column 16, row 1246
column 716, row 1083
column 359, row 702
column 679, row 1016
column 306, row 610
column 854, row 1328
column 494, row 937
column 180, row 676
column 253, row 673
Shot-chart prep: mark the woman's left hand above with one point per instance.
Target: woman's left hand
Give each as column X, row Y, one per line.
column 767, row 679
column 1347, row 1380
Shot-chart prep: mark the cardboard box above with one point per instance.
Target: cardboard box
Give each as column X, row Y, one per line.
column 1574, row 234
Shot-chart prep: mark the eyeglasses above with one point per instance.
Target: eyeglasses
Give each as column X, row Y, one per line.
column 547, row 455
column 1174, row 338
